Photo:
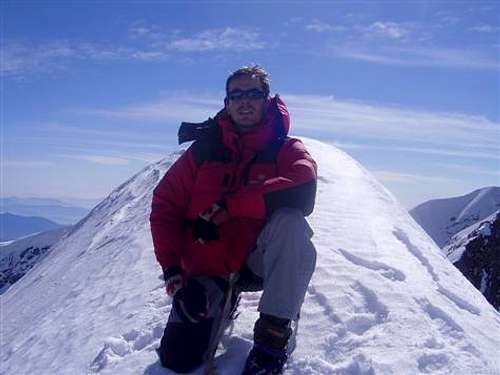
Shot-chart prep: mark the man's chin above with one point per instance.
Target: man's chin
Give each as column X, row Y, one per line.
column 247, row 127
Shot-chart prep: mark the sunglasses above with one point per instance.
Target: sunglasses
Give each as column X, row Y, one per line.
column 253, row 94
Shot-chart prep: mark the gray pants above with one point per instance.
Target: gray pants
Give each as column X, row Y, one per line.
column 285, row 259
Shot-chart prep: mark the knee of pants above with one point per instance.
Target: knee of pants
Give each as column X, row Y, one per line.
column 183, row 345
column 287, row 218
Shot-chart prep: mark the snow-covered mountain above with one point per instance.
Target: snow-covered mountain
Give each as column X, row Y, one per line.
column 475, row 251
column 383, row 299
column 18, row 257
column 443, row 218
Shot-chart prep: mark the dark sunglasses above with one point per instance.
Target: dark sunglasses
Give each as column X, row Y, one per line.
column 253, row 94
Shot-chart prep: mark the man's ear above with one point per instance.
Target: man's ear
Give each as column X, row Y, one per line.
column 226, row 102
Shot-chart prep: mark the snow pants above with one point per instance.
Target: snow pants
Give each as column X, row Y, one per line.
column 281, row 264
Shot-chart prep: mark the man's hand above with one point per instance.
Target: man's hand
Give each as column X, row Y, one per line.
column 205, row 228
column 174, row 280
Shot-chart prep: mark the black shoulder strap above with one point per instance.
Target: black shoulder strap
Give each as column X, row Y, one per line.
column 208, row 145
column 192, row 131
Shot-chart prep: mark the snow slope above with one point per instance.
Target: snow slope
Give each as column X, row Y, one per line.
column 443, row 218
column 383, row 299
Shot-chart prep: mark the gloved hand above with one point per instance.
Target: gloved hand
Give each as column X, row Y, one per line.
column 205, row 227
column 191, row 302
column 174, row 280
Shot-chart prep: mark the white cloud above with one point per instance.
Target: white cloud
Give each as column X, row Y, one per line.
column 19, row 58
column 171, row 109
column 390, row 176
column 99, row 159
column 472, row 152
column 228, row 38
column 484, row 28
column 27, row 163
column 319, row 26
column 23, row 58
column 389, row 30
column 453, row 133
column 381, row 127
column 419, row 56
column 470, row 169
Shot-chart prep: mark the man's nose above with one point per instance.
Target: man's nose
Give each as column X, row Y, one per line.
column 245, row 100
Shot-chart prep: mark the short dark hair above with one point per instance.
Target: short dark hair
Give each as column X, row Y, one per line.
column 251, row 71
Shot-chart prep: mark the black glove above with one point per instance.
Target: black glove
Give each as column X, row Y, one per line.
column 191, row 302
column 204, row 231
column 205, row 227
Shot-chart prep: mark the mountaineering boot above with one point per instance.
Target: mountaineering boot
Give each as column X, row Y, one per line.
column 269, row 353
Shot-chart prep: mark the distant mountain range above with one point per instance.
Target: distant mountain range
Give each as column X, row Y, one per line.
column 443, row 218
column 66, row 211
column 15, row 226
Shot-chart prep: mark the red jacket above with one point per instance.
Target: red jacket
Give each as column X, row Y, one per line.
column 256, row 173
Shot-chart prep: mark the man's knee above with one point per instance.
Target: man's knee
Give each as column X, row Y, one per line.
column 288, row 219
column 183, row 345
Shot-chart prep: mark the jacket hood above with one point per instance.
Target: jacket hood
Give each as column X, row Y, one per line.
column 275, row 125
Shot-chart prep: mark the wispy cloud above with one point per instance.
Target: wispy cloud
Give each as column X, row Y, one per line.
column 141, row 29
column 383, row 127
column 391, row 30
column 171, row 109
column 485, row 28
column 320, row 27
column 416, row 130
column 27, row 163
column 19, row 58
column 228, row 38
column 472, row 152
column 469, row 169
column 98, row 159
column 23, row 58
column 218, row 39
column 390, row 176
column 419, row 56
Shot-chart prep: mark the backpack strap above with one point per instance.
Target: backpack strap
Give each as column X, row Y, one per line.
column 192, row 131
column 208, row 145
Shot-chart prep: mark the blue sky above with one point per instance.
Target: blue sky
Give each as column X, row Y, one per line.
column 93, row 91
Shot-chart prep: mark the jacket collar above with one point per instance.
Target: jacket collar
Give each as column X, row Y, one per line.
column 275, row 125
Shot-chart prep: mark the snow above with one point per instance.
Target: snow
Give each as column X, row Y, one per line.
column 443, row 218
column 383, row 299
column 485, row 229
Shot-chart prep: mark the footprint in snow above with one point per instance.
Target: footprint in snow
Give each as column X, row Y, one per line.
column 385, row 270
column 371, row 313
column 116, row 348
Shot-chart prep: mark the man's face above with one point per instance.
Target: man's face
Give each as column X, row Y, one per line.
column 246, row 112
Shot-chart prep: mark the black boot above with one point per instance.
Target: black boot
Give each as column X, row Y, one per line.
column 269, row 353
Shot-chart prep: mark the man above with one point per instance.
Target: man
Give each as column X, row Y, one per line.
column 234, row 203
